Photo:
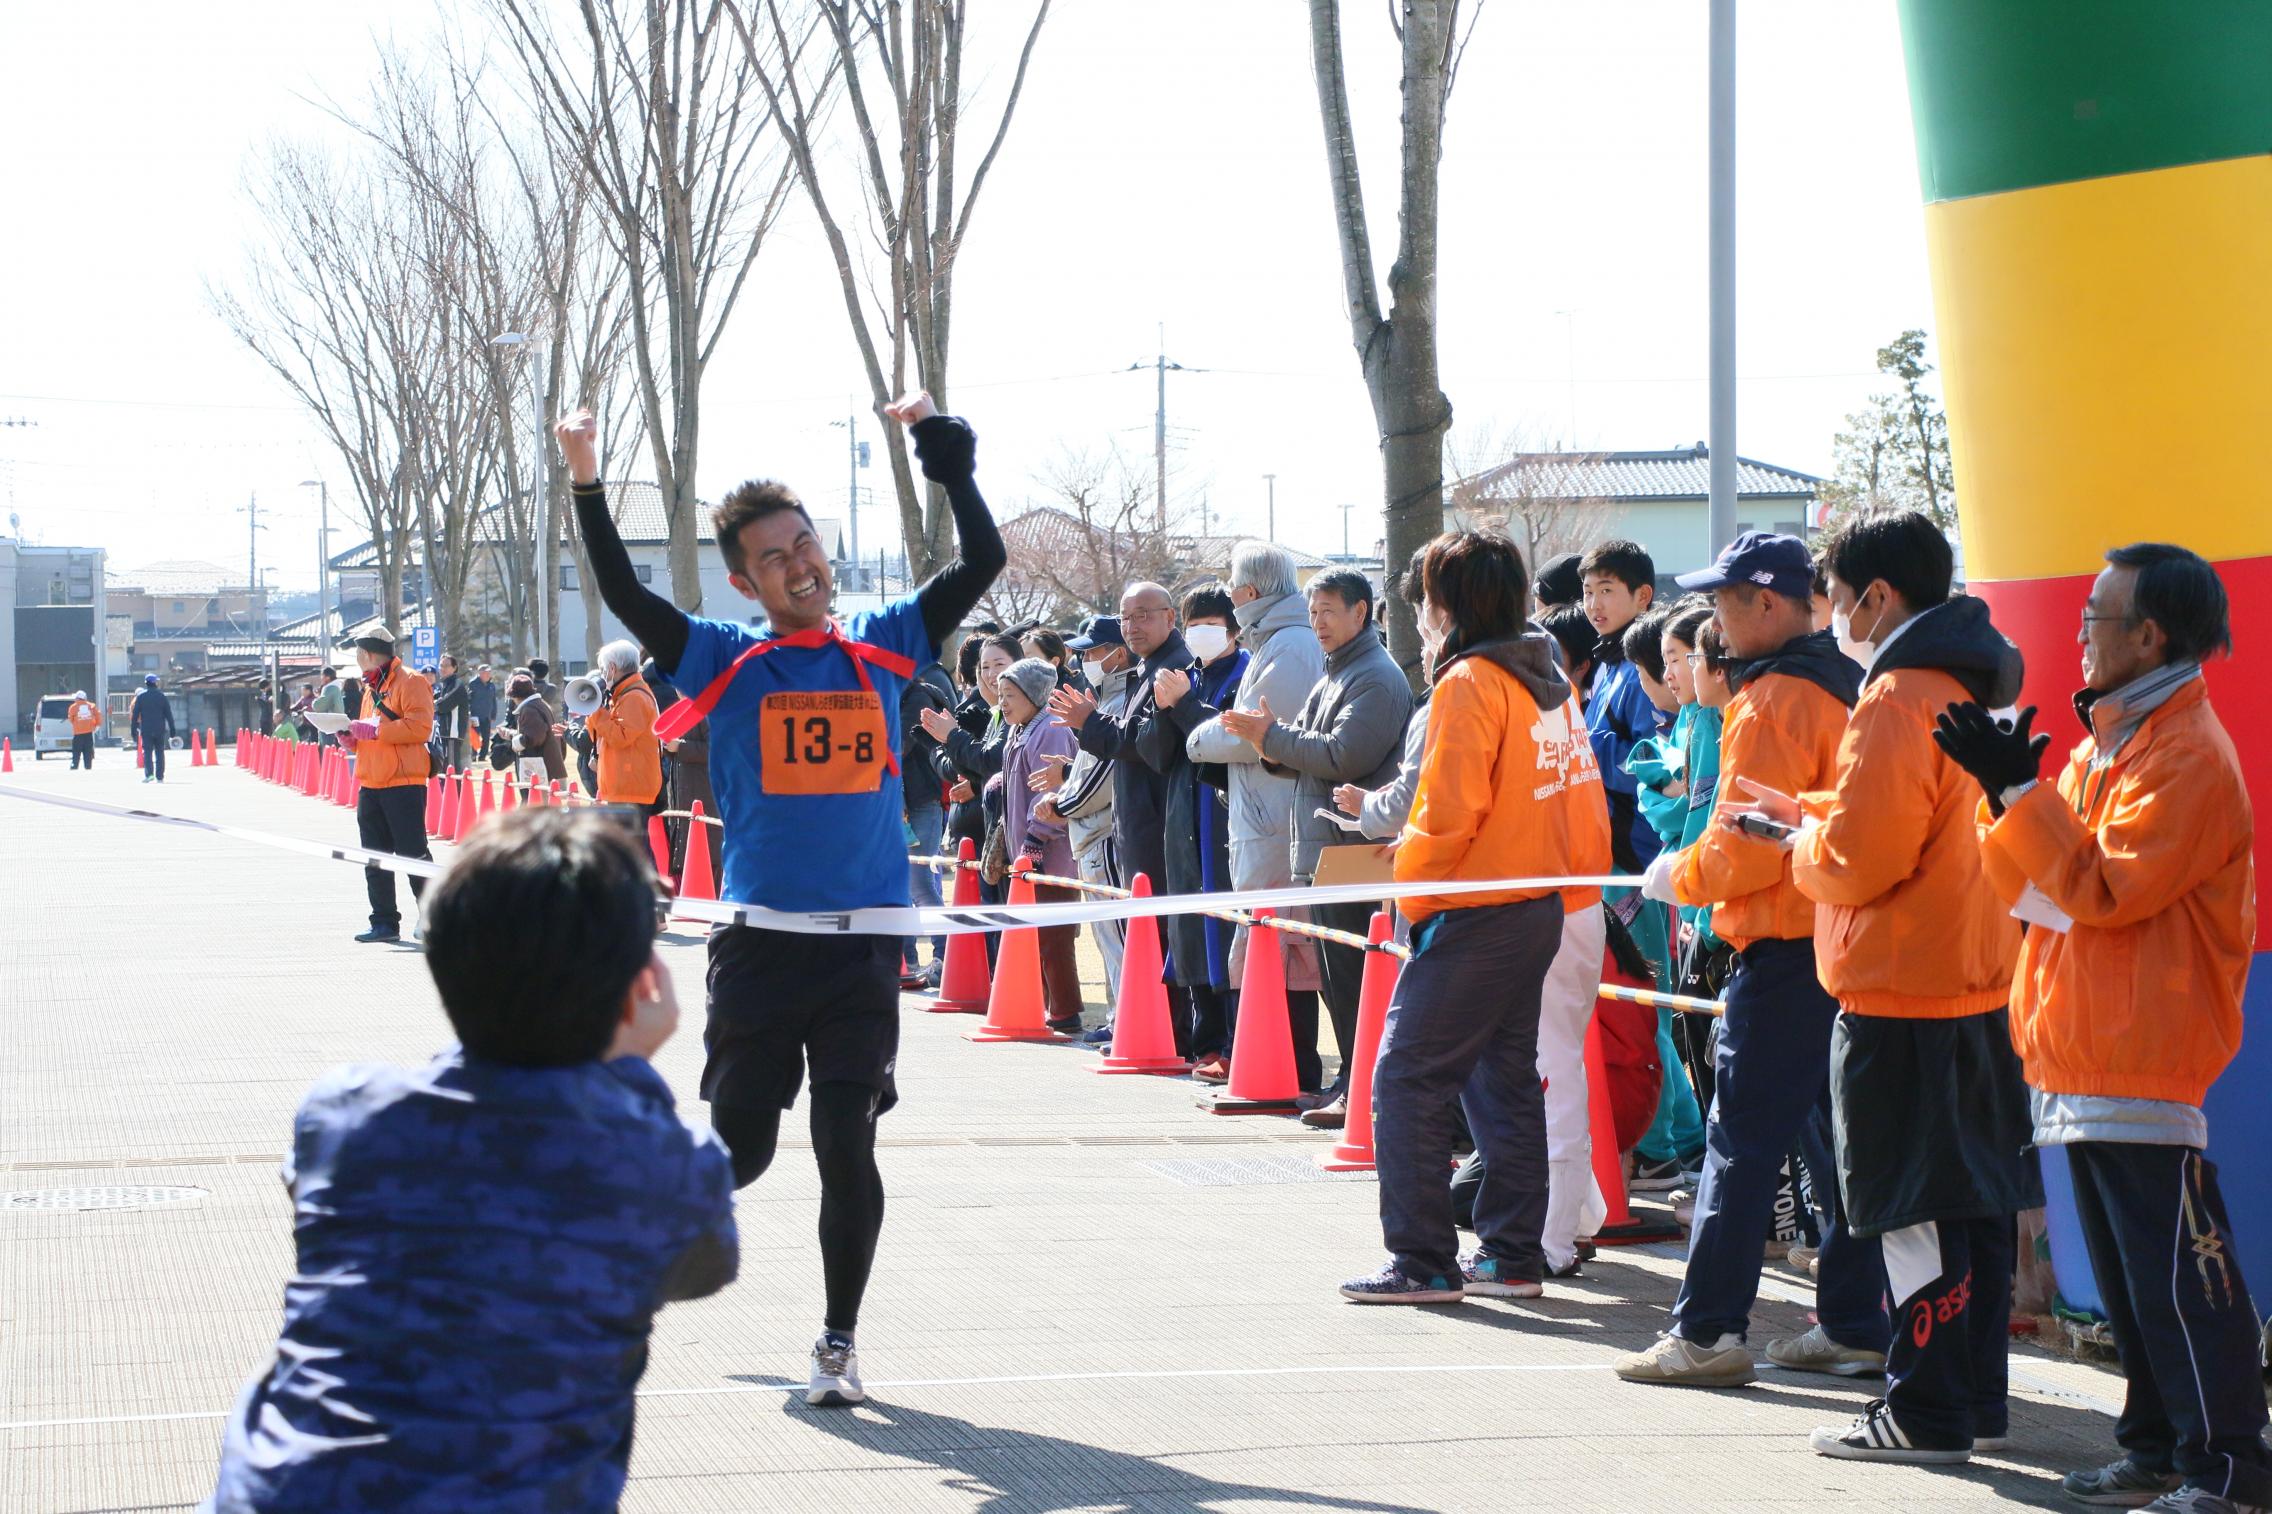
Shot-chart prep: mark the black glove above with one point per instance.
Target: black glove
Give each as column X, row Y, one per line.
column 1999, row 757
column 946, row 447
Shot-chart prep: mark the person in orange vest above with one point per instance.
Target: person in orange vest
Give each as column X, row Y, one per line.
column 1508, row 788
column 1772, row 1079
column 391, row 764
column 85, row 720
column 630, row 757
column 2135, row 875
column 1926, row 1094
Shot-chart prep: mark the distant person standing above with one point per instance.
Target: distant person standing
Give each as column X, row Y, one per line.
column 388, row 744
column 630, row 758
column 85, row 719
column 481, row 704
column 331, row 699
column 452, row 702
column 151, row 723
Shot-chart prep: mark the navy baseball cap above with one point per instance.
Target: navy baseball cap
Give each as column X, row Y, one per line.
column 1097, row 631
column 1761, row 558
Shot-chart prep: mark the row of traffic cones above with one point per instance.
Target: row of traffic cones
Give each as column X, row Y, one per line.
column 1262, row 1077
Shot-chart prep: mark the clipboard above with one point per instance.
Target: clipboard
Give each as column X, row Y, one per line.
column 1357, row 863
column 328, row 723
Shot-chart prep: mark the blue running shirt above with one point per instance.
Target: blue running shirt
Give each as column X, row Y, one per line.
column 799, row 760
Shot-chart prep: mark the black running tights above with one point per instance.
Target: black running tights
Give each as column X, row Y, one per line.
column 851, row 1189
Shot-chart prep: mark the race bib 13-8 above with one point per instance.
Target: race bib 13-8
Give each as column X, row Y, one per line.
column 822, row 743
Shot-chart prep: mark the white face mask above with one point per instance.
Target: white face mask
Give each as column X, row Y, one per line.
column 1206, row 642
column 1842, row 627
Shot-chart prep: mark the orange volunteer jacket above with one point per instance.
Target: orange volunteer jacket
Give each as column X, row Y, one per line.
column 85, row 718
column 1783, row 729
column 2150, row 857
column 1906, row 924
column 396, row 757
column 1508, row 785
column 630, row 758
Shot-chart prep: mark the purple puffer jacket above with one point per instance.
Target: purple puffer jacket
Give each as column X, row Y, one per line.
column 1025, row 754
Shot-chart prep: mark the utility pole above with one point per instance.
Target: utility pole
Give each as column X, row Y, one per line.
column 1721, row 238
column 856, row 458
column 323, row 568
column 1272, row 480
column 1345, row 509
column 1160, row 365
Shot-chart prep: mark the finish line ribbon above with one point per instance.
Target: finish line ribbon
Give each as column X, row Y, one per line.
column 893, row 920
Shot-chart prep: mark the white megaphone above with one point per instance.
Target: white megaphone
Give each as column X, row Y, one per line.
column 584, row 695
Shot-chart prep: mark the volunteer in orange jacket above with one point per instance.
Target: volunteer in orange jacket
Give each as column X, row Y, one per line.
column 2136, row 879
column 630, row 758
column 86, row 719
column 1508, row 789
column 391, row 765
column 1772, row 1073
column 1926, row 1094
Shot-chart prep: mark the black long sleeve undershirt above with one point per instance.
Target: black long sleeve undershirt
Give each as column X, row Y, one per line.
column 947, row 448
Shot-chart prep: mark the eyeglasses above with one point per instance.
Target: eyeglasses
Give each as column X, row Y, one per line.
column 1693, row 658
column 2089, row 618
column 1152, row 614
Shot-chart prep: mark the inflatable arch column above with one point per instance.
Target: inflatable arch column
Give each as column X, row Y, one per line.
column 2099, row 221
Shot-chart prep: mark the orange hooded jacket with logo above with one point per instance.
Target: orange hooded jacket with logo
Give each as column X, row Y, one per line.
column 630, row 758
column 2151, row 858
column 85, row 718
column 1906, row 924
column 1782, row 731
column 404, row 709
column 1508, row 786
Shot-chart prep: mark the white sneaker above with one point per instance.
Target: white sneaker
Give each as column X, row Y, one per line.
column 835, row 1382
column 1817, row 1352
column 1875, row 1436
column 1723, row 1364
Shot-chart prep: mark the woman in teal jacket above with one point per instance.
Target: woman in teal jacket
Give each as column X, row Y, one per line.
column 1677, row 776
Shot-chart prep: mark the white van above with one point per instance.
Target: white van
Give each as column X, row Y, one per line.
column 51, row 725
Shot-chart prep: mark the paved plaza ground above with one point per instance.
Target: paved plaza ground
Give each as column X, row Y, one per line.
column 1091, row 1295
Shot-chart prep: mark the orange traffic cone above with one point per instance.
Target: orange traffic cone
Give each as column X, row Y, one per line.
column 461, row 815
column 8, row 754
column 200, row 751
column 488, row 800
column 699, row 881
column 1015, row 1011
column 964, row 987
column 1623, row 1227
column 446, row 820
column 508, row 802
column 538, row 795
column 212, row 757
column 1354, row 1151
column 1262, row 1049
column 658, row 842
column 433, row 801
column 1143, row 1037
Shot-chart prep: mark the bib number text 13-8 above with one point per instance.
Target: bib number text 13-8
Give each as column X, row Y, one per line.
column 818, row 744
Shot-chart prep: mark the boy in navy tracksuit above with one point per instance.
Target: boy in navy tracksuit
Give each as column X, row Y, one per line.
column 1619, row 579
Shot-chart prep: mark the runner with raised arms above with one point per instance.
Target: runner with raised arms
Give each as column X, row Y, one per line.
column 804, row 717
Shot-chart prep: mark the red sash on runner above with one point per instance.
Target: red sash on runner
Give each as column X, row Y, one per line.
column 683, row 716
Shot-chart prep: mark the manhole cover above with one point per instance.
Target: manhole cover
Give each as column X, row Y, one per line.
column 75, row 1200
column 1233, row 1172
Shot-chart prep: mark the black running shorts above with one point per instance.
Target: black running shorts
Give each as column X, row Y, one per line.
column 780, row 1001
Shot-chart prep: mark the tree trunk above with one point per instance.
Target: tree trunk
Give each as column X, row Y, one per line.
column 1397, row 354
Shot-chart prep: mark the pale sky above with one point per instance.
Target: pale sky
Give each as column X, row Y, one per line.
column 1166, row 165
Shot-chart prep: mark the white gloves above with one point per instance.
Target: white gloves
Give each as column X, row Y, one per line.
column 1656, row 883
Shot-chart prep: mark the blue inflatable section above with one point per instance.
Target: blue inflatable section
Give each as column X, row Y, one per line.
column 2239, row 1108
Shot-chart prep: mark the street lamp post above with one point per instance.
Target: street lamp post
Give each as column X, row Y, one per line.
column 1272, row 533
column 323, row 566
column 522, row 342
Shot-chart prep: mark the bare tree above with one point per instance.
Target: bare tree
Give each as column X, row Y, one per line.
column 900, row 65
column 327, row 301
column 1549, row 502
column 659, row 105
column 1098, row 532
column 1397, row 353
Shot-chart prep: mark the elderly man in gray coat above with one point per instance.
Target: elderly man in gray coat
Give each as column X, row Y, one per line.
column 1283, row 664
column 1350, row 730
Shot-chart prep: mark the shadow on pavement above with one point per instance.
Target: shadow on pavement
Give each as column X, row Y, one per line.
column 1017, row 1469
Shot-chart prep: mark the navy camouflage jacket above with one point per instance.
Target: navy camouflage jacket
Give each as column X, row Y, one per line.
column 482, row 1250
